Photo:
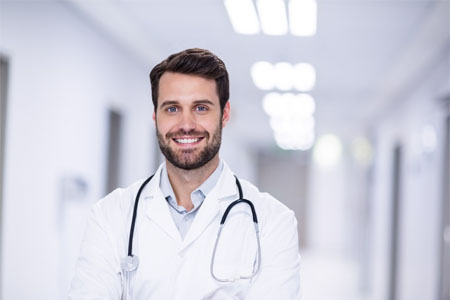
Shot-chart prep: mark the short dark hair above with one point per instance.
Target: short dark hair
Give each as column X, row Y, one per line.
column 194, row 61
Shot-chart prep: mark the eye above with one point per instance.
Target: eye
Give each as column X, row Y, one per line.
column 201, row 108
column 171, row 109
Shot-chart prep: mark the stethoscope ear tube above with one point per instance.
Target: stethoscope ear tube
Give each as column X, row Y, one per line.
column 240, row 200
column 133, row 219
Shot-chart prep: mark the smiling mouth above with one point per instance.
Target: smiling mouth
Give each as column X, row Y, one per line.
column 187, row 140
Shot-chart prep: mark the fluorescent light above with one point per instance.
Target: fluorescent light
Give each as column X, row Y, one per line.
column 272, row 14
column 303, row 124
column 305, row 105
column 304, row 77
column 292, row 125
column 243, row 17
column 289, row 105
column 294, row 142
column 362, row 151
column 328, row 150
column 271, row 104
column 263, row 75
column 283, row 76
column 303, row 17
column 291, row 119
column 304, row 141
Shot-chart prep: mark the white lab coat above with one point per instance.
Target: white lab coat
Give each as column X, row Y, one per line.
column 175, row 268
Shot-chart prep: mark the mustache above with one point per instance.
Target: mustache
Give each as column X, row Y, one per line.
column 190, row 133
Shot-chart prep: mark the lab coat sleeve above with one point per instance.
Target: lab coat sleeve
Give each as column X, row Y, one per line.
column 279, row 276
column 96, row 274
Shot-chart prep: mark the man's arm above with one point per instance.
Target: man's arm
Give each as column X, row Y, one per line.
column 279, row 276
column 96, row 275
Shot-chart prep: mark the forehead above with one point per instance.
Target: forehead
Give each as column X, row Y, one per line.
column 178, row 86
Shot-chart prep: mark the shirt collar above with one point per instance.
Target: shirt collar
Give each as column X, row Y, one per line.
column 203, row 189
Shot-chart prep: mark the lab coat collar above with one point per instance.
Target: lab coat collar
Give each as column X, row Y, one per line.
column 226, row 185
column 158, row 210
column 224, row 189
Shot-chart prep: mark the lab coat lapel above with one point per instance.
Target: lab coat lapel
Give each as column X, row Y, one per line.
column 158, row 209
column 211, row 207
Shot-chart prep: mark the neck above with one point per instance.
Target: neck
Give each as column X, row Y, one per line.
column 184, row 182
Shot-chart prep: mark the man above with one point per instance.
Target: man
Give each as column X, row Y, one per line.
column 175, row 238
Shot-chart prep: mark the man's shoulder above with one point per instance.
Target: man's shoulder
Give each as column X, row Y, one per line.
column 119, row 200
column 262, row 198
column 271, row 212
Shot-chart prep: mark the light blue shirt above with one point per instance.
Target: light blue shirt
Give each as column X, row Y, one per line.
column 183, row 218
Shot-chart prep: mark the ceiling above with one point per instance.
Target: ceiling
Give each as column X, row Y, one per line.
column 357, row 45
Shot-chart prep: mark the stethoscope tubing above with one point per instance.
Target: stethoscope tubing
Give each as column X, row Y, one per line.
column 131, row 262
column 222, row 223
column 133, row 219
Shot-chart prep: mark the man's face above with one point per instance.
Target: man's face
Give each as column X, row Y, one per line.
column 189, row 119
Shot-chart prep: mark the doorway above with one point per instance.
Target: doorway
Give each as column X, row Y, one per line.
column 395, row 221
column 444, row 284
column 114, row 155
column 4, row 72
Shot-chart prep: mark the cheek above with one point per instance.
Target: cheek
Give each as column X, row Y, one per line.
column 209, row 125
column 163, row 120
column 161, row 126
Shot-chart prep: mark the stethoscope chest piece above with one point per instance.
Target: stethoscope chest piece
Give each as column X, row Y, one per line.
column 129, row 263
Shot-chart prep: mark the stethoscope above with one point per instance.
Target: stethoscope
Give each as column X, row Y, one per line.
column 131, row 262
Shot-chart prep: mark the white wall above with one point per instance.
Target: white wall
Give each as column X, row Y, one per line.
column 421, row 186
column 64, row 75
column 337, row 214
column 336, row 241
column 239, row 155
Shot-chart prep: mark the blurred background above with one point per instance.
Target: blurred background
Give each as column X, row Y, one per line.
column 340, row 109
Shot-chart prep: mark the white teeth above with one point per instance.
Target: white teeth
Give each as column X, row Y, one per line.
column 186, row 141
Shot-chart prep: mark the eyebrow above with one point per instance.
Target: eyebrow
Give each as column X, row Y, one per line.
column 204, row 101
column 174, row 102
column 168, row 102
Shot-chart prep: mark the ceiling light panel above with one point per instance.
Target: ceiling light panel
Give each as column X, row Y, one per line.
column 303, row 17
column 289, row 105
column 243, row 17
column 291, row 119
column 328, row 150
column 283, row 76
column 292, row 125
column 297, row 142
column 263, row 75
column 304, row 77
column 273, row 17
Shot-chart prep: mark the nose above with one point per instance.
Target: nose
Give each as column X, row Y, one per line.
column 187, row 122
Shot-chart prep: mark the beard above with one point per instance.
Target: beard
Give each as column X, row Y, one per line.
column 188, row 159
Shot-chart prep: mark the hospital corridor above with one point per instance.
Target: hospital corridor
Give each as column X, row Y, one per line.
column 340, row 110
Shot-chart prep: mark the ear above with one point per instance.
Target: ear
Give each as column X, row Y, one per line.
column 154, row 116
column 226, row 114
